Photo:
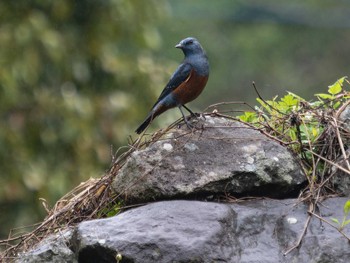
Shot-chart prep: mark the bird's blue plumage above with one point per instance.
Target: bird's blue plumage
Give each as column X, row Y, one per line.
column 179, row 76
column 185, row 84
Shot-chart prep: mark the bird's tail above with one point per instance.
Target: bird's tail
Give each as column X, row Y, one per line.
column 145, row 123
column 157, row 109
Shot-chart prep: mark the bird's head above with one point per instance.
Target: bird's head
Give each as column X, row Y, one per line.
column 190, row 46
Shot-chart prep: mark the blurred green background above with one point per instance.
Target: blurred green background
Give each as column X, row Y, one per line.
column 77, row 77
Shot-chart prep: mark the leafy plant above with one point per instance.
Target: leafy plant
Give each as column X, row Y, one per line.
column 333, row 90
column 110, row 210
column 345, row 221
column 311, row 129
column 294, row 120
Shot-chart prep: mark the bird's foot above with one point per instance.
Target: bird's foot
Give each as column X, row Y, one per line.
column 197, row 115
column 188, row 119
column 189, row 125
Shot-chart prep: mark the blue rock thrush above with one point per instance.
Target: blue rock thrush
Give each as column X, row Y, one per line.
column 187, row 82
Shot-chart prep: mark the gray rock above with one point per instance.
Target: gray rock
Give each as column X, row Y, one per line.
column 257, row 231
column 54, row 249
column 177, row 231
column 344, row 119
column 224, row 157
column 341, row 181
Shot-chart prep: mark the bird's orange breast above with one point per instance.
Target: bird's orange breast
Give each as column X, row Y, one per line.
column 190, row 88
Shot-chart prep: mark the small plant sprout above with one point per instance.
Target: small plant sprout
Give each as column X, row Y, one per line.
column 118, row 257
column 345, row 221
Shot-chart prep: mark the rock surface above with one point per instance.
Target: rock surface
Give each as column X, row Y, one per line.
column 224, row 157
column 341, row 180
column 257, row 231
column 54, row 249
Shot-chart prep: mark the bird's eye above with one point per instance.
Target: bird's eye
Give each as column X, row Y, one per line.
column 190, row 42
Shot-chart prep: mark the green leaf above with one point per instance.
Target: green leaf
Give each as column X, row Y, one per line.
column 290, row 100
column 296, row 96
column 316, row 103
column 347, row 207
column 315, row 132
column 336, row 105
column 337, row 86
column 112, row 213
column 346, row 222
column 335, row 221
column 292, row 134
column 266, row 106
column 324, row 96
column 248, row 116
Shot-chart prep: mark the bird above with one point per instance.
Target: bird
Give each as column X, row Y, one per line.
column 186, row 83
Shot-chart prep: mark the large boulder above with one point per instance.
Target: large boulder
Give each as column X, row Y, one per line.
column 192, row 231
column 224, row 157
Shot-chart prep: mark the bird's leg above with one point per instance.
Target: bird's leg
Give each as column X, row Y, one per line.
column 191, row 112
column 189, row 125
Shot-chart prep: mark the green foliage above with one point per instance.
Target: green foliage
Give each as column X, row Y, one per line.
column 345, row 221
column 333, row 90
column 111, row 210
column 70, row 75
column 294, row 120
column 249, row 116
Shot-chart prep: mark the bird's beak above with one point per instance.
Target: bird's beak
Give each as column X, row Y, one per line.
column 178, row 45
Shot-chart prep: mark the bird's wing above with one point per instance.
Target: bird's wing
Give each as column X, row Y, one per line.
column 179, row 76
